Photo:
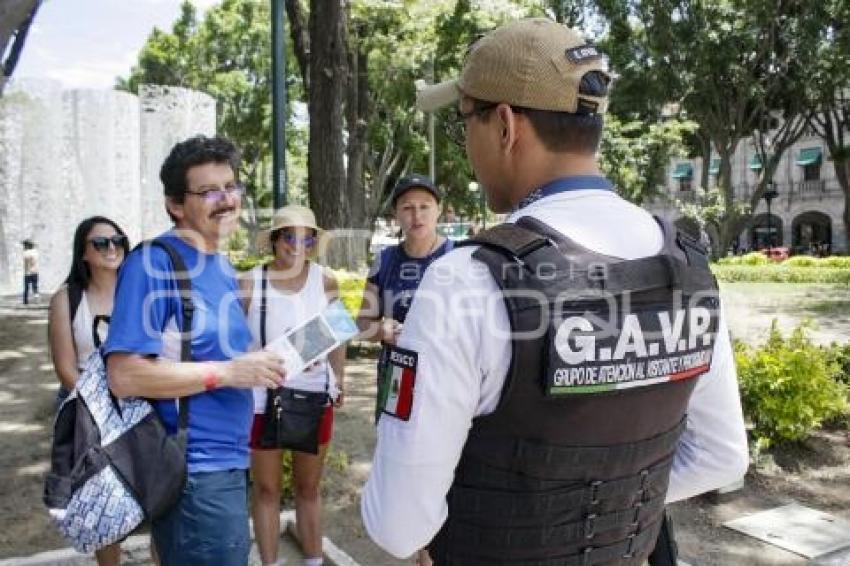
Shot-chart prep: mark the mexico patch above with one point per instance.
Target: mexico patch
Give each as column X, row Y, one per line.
column 395, row 387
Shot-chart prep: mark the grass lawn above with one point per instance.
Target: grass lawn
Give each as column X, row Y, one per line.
column 750, row 307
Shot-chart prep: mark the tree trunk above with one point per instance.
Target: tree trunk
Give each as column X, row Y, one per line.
column 325, row 163
column 830, row 121
column 357, row 110
column 842, row 172
column 705, row 150
column 725, row 224
column 15, row 19
column 300, row 38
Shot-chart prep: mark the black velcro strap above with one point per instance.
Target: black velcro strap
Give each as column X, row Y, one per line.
column 549, row 461
column 635, row 545
column 638, row 544
column 509, row 239
column 187, row 308
column 477, row 503
column 586, row 528
column 644, row 274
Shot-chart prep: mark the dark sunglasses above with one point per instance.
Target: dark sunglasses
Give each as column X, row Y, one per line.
column 292, row 239
column 101, row 243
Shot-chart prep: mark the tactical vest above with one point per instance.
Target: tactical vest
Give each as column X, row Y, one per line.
column 572, row 467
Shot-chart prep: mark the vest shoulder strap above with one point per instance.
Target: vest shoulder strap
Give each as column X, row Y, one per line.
column 509, row 239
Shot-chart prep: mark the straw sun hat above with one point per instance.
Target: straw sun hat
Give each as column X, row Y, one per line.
column 293, row 215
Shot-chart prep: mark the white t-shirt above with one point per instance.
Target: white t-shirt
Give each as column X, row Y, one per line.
column 285, row 311
column 82, row 326
column 459, row 327
column 31, row 261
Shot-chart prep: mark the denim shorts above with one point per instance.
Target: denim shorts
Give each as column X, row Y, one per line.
column 209, row 524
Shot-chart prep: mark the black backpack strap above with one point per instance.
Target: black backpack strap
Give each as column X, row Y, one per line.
column 187, row 309
column 75, row 296
column 263, row 286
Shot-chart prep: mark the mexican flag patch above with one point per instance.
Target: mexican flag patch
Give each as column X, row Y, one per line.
column 397, row 382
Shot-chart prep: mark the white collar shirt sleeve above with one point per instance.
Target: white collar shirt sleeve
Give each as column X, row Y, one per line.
column 462, row 361
column 459, row 327
column 712, row 452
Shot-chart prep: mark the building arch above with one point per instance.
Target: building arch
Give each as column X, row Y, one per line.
column 811, row 233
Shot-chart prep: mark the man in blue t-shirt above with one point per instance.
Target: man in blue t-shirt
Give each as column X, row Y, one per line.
column 209, row 524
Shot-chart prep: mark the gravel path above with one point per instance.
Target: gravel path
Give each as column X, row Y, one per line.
column 818, row 474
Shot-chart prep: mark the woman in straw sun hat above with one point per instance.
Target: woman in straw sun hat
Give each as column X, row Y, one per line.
column 297, row 288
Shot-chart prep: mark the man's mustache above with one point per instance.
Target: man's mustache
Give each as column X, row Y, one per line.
column 223, row 209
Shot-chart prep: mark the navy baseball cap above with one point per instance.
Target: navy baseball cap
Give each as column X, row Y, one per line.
column 415, row 182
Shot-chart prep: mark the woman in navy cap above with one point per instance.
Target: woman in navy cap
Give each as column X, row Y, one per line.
column 399, row 269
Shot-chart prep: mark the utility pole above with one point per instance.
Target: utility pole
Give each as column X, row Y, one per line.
column 278, row 103
column 432, row 158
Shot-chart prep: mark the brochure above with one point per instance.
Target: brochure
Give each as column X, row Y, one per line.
column 315, row 338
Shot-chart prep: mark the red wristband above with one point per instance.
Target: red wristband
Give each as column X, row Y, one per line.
column 210, row 381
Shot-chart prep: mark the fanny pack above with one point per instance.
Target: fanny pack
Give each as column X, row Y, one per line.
column 292, row 416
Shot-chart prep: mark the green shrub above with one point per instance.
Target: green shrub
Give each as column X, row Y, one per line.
column 287, row 483
column 835, row 261
column 755, row 258
column 752, row 258
column 351, row 290
column 337, row 460
column 237, row 241
column 839, row 355
column 802, row 261
column 248, row 262
column 780, row 273
column 788, row 386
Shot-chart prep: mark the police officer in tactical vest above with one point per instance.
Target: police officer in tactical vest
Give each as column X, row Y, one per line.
column 563, row 375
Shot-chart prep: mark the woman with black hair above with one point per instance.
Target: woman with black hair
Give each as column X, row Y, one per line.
column 80, row 310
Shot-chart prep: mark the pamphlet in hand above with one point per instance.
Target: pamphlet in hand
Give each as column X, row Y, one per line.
column 314, row 339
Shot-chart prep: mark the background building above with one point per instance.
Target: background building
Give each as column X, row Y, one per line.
column 805, row 216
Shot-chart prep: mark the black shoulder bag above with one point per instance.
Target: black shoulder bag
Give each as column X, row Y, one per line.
column 156, row 483
column 159, row 486
column 292, row 416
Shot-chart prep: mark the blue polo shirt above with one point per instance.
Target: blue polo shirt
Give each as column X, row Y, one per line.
column 398, row 275
column 145, row 320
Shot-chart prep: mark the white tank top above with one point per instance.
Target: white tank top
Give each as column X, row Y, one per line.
column 283, row 312
column 83, row 327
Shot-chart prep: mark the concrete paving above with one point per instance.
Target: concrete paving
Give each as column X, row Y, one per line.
column 136, row 551
column 802, row 530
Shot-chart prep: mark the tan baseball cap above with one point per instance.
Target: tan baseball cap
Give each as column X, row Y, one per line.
column 534, row 63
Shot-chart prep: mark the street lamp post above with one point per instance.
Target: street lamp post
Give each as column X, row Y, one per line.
column 475, row 188
column 278, row 103
column 769, row 194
